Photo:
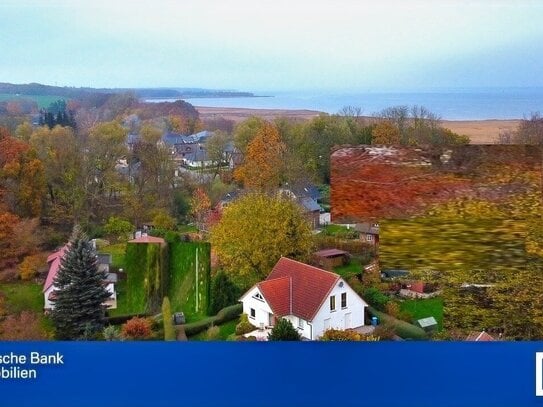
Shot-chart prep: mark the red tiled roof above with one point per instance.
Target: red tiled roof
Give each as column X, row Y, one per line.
column 54, row 260
column 309, row 288
column 480, row 337
column 277, row 294
column 330, row 253
column 147, row 239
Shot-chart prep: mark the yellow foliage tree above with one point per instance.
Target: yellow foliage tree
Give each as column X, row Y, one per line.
column 255, row 232
column 30, row 266
column 385, row 133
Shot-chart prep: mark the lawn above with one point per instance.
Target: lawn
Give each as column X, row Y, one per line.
column 187, row 228
column 117, row 252
column 423, row 308
column 43, row 101
column 349, row 270
column 22, row 297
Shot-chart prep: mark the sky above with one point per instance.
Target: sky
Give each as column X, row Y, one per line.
column 273, row 45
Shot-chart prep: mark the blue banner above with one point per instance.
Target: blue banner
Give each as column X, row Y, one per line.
column 222, row 374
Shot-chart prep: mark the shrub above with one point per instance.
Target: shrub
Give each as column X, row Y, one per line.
column 340, row 335
column 376, row 298
column 405, row 316
column 284, row 331
column 244, row 326
column 229, row 313
column 224, row 315
column 112, row 333
column 24, row 326
column 118, row 228
column 223, row 293
column 30, row 266
column 167, row 320
column 384, row 331
column 137, row 329
column 163, row 220
column 392, row 308
column 213, row 333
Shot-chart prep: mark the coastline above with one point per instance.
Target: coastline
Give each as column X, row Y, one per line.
column 484, row 131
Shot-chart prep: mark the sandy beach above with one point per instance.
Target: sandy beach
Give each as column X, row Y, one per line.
column 479, row 131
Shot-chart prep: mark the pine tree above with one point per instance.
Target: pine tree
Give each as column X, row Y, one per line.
column 284, row 331
column 80, row 294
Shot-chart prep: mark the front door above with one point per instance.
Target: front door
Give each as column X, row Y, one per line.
column 348, row 321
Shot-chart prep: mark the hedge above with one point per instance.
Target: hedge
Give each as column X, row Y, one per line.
column 226, row 314
column 182, row 283
column 145, row 276
column 121, row 319
column 403, row 329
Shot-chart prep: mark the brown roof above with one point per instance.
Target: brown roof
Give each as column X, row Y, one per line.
column 480, row 337
column 308, row 287
column 330, row 253
column 147, row 239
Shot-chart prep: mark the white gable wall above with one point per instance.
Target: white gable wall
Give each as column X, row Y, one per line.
column 337, row 319
column 305, row 331
column 262, row 309
column 48, row 304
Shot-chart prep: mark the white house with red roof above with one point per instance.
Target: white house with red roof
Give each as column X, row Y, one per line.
column 312, row 299
column 54, row 261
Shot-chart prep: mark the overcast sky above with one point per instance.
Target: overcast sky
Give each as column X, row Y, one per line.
column 273, row 45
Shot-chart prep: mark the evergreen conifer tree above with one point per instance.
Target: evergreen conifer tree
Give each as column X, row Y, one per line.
column 80, row 294
column 284, row 331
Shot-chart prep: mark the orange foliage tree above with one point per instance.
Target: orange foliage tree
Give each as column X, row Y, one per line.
column 264, row 162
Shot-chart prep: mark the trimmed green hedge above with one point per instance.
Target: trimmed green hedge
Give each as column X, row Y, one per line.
column 403, row 329
column 226, row 314
column 189, row 279
column 145, row 264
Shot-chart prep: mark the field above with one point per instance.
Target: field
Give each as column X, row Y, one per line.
column 43, row 101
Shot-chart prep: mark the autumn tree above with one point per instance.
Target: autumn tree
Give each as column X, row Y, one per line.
column 262, row 167
column 217, row 147
column 246, row 131
column 385, row 133
column 62, row 158
column 255, row 231
column 200, row 205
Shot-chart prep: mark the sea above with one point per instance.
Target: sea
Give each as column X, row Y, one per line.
column 448, row 104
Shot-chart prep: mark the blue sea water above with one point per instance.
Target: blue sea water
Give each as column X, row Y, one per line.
column 449, row 104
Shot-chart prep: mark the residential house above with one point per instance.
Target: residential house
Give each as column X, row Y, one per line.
column 312, row 299
column 307, row 196
column 369, row 232
column 54, row 260
column 330, row 258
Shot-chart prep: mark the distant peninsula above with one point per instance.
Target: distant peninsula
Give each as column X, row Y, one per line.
column 147, row 93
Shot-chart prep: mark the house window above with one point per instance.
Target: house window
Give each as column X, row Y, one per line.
column 253, row 313
column 258, row 296
column 369, row 238
column 300, row 323
column 333, row 303
column 343, row 300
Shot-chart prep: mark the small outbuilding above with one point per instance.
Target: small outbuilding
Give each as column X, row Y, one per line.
column 428, row 324
column 330, row 258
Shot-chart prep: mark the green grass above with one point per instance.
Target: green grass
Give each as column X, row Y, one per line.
column 334, row 230
column 23, row 297
column 122, row 300
column 349, row 270
column 117, row 252
column 424, row 308
column 43, row 101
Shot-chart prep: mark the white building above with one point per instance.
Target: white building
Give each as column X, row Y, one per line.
column 312, row 299
column 104, row 260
